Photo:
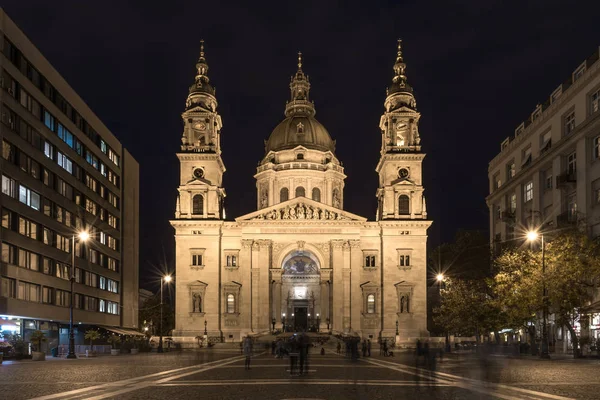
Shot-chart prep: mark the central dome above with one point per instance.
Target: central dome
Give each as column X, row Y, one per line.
column 300, row 130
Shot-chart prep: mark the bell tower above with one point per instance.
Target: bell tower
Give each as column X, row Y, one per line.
column 400, row 192
column 201, row 191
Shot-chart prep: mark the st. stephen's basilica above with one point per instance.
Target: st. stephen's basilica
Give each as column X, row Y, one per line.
column 300, row 261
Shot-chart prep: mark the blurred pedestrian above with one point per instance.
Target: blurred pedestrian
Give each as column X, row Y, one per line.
column 369, row 347
column 339, row 348
column 385, row 348
column 248, row 350
column 364, row 348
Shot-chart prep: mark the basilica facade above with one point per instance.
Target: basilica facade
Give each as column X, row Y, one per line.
column 300, row 261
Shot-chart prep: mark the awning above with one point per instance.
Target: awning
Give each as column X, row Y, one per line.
column 122, row 331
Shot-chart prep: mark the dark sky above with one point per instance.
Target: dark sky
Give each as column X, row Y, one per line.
column 478, row 68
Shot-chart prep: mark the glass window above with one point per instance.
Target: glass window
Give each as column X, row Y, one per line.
column 513, row 202
column 595, row 101
column 316, row 194
column 572, row 163
column 198, row 204
column 197, row 259
column 371, row 304
column 528, row 191
column 569, row 122
column 403, row 205
column 300, row 192
column 230, row 303
column 283, row 195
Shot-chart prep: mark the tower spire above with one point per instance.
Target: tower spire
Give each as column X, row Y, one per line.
column 201, row 92
column 399, row 67
column 299, row 87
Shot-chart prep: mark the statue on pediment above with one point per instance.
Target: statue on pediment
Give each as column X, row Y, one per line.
column 309, row 212
column 286, row 213
column 293, row 213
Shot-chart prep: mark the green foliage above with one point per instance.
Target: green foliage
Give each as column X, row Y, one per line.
column 92, row 335
column 571, row 276
column 150, row 312
column 19, row 347
column 114, row 340
column 467, row 309
column 37, row 337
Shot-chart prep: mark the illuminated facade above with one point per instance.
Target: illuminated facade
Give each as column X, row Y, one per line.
column 300, row 261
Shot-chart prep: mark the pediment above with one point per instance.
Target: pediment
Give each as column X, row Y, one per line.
column 198, row 182
column 301, row 209
column 403, row 181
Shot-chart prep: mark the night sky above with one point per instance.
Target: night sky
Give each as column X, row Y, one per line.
column 478, row 68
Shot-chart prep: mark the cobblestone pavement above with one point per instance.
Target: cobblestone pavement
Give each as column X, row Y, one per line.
column 219, row 374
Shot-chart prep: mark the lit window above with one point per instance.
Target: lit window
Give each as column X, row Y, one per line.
column 572, row 163
column 528, row 191
column 230, row 304
column 595, row 102
column 597, row 147
column 371, row 304
column 569, row 123
column 513, row 202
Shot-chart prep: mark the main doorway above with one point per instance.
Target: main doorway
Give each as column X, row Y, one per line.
column 300, row 319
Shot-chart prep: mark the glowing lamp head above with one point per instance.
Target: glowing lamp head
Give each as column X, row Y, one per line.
column 167, row 278
column 439, row 277
column 532, row 236
column 83, row 236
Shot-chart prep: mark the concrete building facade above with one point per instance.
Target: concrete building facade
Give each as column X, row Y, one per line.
column 548, row 173
column 63, row 172
column 300, row 261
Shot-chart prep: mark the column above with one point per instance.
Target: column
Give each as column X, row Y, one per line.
column 245, row 268
column 337, row 309
column 255, row 284
column 271, row 192
column 264, row 294
column 347, row 278
column 324, row 308
column 355, row 292
column 276, row 297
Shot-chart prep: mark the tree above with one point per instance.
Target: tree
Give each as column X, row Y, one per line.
column 467, row 309
column 150, row 311
column 91, row 335
column 571, row 277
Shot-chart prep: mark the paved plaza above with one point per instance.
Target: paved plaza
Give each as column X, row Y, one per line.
column 220, row 374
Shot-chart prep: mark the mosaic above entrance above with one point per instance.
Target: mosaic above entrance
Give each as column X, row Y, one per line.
column 300, row 263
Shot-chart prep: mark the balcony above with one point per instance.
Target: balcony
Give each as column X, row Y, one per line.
column 568, row 178
column 507, row 216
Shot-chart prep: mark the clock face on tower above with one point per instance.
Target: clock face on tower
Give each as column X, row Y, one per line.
column 198, row 173
column 403, row 173
column 200, row 126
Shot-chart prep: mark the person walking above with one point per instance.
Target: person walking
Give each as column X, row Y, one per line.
column 247, row 351
column 369, row 347
column 339, row 348
column 364, row 348
column 385, row 349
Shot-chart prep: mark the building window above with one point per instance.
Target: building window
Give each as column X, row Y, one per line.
column 316, row 194
column 528, row 192
column 198, row 260
column 572, row 207
column 548, row 180
column 569, row 120
column 513, row 202
column 404, row 260
column 370, row 261
column 371, row 304
column 498, row 212
column 595, row 101
column 300, row 192
column 198, row 205
column 283, row 195
column 596, row 191
column 403, row 205
column 497, row 181
column 28, row 197
column 300, row 156
column 511, row 170
column 28, row 292
column 572, row 163
column 578, row 73
column 597, row 147
column 63, row 298
column 9, row 186
column 546, row 141
column 231, row 261
column 526, row 157
column 230, row 304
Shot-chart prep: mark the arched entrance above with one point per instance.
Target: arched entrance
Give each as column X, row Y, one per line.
column 301, row 291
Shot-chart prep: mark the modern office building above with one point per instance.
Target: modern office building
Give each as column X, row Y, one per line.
column 548, row 172
column 300, row 261
column 63, row 172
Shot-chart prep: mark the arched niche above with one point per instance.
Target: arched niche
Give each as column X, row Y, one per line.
column 287, row 251
column 300, row 263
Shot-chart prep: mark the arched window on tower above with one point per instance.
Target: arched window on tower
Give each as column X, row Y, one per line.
column 300, row 192
column 316, row 194
column 198, row 204
column 284, row 195
column 403, row 205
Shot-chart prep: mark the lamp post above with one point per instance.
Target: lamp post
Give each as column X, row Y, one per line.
column 273, row 323
column 397, row 333
column 318, row 323
column 205, row 331
column 166, row 279
column 440, row 278
column 83, row 236
column 532, row 236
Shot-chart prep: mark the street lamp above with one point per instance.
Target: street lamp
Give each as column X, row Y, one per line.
column 318, row 323
column 166, row 279
column 283, row 321
column 83, row 236
column 440, row 278
column 205, row 331
column 533, row 236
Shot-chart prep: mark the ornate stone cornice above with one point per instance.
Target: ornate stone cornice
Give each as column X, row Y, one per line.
column 264, row 243
column 354, row 243
column 301, row 209
column 346, row 246
column 247, row 243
